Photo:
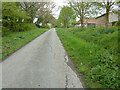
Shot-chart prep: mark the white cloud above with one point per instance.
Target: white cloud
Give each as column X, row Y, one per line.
column 59, row 4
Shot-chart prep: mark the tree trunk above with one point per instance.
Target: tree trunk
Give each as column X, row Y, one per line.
column 82, row 23
column 82, row 16
column 64, row 24
column 107, row 14
column 107, row 19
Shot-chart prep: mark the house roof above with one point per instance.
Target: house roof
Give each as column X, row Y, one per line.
column 100, row 16
column 91, row 20
column 109, row 13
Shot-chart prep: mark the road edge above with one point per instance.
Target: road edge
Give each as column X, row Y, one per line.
column 72, row 65
column 1, row 60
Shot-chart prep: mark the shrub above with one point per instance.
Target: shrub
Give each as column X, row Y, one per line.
column 117, row 23
column 25, row 26
column 110, row 30
column 4, row 31
column 45, row 26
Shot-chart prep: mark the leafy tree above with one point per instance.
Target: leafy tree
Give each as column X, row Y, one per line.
column 53, row 21
column 58, row 24
column 44, row 14
column 31, row 8
column 12, row 16
column 82, row 9
column 66, row 16
column 108, row 6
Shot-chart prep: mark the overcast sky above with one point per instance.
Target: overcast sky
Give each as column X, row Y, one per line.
column 59, row 4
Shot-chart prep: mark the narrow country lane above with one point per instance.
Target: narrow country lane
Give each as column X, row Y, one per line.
column 39, row 64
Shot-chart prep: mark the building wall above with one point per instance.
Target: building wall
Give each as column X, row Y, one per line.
column 91, row 25
column 79, row 25
column 113, row 17
column 101, row 21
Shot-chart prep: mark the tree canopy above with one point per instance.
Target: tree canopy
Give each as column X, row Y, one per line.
column 13, row 16
column 19, row 16
column 108, row 6
column 67, row 16
column 82, row 9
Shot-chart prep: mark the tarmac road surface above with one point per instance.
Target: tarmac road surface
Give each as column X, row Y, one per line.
column 41, row 63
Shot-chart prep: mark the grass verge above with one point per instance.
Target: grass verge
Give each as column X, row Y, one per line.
column 94, row 51
column 15, row 40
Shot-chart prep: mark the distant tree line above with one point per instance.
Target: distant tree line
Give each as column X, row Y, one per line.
column 19, row 16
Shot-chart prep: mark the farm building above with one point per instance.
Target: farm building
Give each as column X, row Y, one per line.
column 101, row 20
column 89, row 22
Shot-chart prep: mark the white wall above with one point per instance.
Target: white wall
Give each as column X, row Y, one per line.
column 113, row 17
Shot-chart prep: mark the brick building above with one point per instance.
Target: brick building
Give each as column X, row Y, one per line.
column 91, row 22
column 88, row 22
column 101, row 20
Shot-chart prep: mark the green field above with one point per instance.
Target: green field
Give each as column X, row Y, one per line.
column 94, row 51
column 12, row 41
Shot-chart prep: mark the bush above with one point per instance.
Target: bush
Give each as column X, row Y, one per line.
column 13, row 16
column 110, row 30
column 117, row 23
column 5, row 31
column 45, row 26
column 25, row 26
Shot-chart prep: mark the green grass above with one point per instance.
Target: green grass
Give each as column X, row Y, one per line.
column 15, row 40
column 94, row 51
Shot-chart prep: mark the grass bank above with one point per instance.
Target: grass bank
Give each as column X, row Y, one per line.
column 15, row 40
column 94, row 51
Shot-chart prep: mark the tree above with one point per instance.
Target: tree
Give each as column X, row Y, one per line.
column 31, row 8
column 44, row 14
column 53, row 21
column 108, row 6
column 12, row 16
column 66, row 16
column 82, row 9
